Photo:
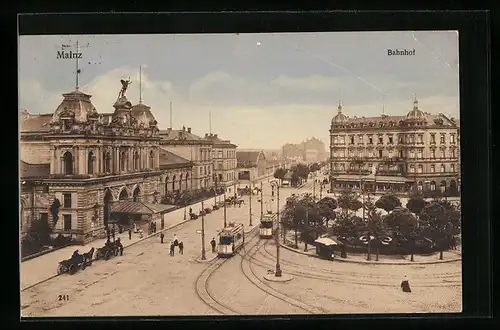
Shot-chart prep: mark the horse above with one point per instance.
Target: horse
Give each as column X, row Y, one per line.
column 88, row 257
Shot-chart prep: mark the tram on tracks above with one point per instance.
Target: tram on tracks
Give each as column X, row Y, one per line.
column 231, row 239
column 268, row 224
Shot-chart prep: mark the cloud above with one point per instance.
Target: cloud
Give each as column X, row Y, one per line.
column 314, row 82
column 36, row 99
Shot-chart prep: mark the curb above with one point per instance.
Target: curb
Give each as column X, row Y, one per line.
column 207, row 260
column 375, row 262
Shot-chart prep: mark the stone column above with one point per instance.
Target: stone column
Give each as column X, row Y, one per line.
column 53, row 161
column 98, row 160
column 118, row 160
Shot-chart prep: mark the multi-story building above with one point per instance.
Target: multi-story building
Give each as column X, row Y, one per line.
column 312, row 150
column 193, row 148
column 224, row 162
column 417, row 151
column 77, row 166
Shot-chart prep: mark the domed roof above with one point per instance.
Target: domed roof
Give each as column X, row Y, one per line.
column 339, row 117
column 142, row 113
column 416, row 113
column 76, row 105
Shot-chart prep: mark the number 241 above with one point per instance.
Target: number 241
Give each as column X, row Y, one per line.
column 63, row 297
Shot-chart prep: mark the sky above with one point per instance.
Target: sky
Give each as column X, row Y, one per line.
column 262, row 90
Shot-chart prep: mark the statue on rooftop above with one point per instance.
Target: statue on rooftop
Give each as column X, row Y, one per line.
column 125, row 84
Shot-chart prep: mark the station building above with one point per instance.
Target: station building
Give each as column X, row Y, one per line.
column 418, row 151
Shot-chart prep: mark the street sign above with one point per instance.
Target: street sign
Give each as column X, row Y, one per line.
column 198, row 231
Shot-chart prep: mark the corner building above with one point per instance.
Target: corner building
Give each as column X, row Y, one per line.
column 86, row 161
column 419, row 151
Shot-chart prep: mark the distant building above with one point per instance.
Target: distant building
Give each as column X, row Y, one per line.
column 310, row 151
column 224, row 162
column 418, row 151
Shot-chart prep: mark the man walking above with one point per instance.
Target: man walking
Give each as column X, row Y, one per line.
column 172, row 249
column 212, row 242
column 161, row 237
column 129, row 234
column 181, row 247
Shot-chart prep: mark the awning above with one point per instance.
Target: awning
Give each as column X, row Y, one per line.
column 326, row 241
column 128, row 207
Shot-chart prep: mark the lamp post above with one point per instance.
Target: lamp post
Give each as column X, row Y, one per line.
column 261, row 202
column 314, row 186
column 225, row 223
column 203, row 257
column 274, row 183
column 250, row 205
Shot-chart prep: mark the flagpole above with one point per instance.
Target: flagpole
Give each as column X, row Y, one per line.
column 140, row 84
column 77, row 69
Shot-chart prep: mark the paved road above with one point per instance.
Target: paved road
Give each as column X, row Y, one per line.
column 144, row 281
column 35, row 270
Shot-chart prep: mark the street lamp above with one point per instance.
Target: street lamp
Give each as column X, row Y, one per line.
column 225, row 223
column 274, row 184
column 203, row 257
column 261, row 202
column 250, row 205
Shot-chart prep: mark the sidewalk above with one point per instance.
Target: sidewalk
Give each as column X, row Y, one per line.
column 44, row 266
column 448, row 256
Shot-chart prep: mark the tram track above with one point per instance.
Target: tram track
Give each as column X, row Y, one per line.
column 447, row 278
column 249, row 273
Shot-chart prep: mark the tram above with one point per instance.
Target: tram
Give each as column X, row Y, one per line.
column 268, row 224
column 231, row 239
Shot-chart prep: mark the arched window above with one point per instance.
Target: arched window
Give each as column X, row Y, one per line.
column 123, row 159
column 433, row 186
column 151, row 160
column 107, row 161
column 166, row 185
column 187, row 176
column 173, row 183
column 90, row 163
column 68, row 163
column 180, row 182
column 136, row 161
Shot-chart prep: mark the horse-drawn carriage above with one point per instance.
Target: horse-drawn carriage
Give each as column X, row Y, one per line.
column 193, row 216
column 77, row 261
column 109, row 250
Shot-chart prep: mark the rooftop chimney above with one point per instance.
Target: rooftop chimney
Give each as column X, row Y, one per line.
column 183, row 128
column 206, row 135
column 215, row 136
column 189, row 129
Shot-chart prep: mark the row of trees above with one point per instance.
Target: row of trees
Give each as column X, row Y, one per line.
column 187, row 197
column 299, row 173
column 421, row 223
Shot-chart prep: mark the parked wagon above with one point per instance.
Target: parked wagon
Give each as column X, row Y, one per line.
column 77, row 261
column 109, row 250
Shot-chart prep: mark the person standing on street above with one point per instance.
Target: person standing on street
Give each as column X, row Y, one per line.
column 161, row 237
column 405, row 285
column 181, row 247
column 172, row 249
column 212, row 242
column 175, row 241
column 129, row 233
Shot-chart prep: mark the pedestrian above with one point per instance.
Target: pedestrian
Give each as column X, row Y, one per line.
column 190, row 211
column 140, row 233
column 405, row 285
column 212, row 242
column 130, row 233
column 181, row 247
column 175, row 241
column 161, row 237
column 154, row 227
column 172, row 249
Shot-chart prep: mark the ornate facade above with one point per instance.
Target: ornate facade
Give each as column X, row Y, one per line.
column 76, row 163
column 417, row 151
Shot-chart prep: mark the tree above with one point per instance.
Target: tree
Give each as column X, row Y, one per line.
column 280, row 173
column 416, row 205
column 314, row 167
column 302, row 171
column 403, row 224
column 438, row 218
column 327, row 206
column 375, row 227
column 349, row 202
column 388, row 203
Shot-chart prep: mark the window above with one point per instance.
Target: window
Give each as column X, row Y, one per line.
column 67, row 222
column 380, row 153
column 442, row 154
column 419, row 154
column 433, row 168
column 136, row 161
column 152, row 159
column 201, row 154
column 342, row 153
column 441, row 139
column 370, row 153
column 412, row 169
column 90, row 163
column 67, row 201
column 335, row 139
column 433, row 138
column 107, row 162
column 401, row 138
column 452, row 153
column 420, row 169
column 220, row 154
column 390, row 153
column 68, row 163
column 433, row 153
column 401, row 154
column 442, row 168
column 412, row 153
column 420, row 138
column 452, row 138
column 335, row 153
column 360, row 139
column 391, row 139
column 352, row 139
column 370, row 167
column 452, row 168
column 342, row 139
column 220, row 177
column 380, row 139
column 370, row 140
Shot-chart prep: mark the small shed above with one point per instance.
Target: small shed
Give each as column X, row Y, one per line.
column 128, row 212
column 326, row 245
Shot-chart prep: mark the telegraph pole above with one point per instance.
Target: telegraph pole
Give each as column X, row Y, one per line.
column 250, row 212
column 203, row 257
column 278, row 267
column 261, row 202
